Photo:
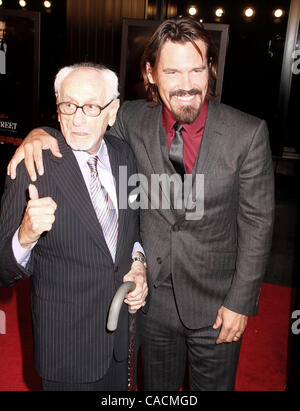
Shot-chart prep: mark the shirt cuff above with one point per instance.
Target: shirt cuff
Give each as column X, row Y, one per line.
column 137, row 248
column 21, row 254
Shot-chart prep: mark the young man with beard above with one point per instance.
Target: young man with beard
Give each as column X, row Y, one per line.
column 204, row 269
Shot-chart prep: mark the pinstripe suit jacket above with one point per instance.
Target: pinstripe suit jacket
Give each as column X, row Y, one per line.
column 219, row 259
column 73, row 277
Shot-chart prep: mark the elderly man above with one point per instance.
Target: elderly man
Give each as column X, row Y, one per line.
column 205, row 266
column 74, row 242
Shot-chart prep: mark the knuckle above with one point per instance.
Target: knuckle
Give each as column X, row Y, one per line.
column 35, row 227
column 36, row 143
column 27, row 146
column 30, row 211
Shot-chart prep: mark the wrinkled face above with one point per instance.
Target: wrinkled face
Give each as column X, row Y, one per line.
column 181, row 77
column 86, row 86
column 2, row 29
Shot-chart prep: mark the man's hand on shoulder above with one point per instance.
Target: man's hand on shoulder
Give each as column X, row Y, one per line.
column 31, row 151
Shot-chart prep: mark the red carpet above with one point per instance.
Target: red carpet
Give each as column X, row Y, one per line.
column 263, row 358
column 262, row 365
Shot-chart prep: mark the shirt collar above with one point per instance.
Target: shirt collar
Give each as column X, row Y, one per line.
column 82, row 156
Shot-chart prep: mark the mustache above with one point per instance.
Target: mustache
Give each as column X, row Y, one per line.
column 181, row 93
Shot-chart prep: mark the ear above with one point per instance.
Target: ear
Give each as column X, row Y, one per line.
column 57, row 111
column 150, row 73
column 113, row 112
column 213, row 68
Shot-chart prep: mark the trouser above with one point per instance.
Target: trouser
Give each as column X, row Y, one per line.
column 116, row 379
column 166, row 344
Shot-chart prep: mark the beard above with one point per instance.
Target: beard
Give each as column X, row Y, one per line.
column 187, row 113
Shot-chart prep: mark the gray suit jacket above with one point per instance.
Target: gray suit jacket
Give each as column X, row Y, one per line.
column 220, row 258
column 73, row 277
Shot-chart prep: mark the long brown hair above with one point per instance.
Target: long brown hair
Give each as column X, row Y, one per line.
column 178, row 30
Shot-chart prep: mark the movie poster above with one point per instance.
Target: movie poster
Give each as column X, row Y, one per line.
column 19, row 72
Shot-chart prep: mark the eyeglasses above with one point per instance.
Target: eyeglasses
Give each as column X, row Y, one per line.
column 90, row 110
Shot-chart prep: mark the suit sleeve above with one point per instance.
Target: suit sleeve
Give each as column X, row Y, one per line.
column 254, row 224
column 52, row 131
column 119, row 129
column 13, row 205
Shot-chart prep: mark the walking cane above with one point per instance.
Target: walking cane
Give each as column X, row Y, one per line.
column 112, row 323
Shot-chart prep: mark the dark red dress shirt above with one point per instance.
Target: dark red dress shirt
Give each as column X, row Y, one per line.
column 192, row 135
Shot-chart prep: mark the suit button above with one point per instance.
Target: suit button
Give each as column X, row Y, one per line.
column 176, row 227
column 159, row 260
column 116, row 269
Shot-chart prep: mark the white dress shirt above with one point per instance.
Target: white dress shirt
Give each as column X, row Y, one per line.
column 22, row 255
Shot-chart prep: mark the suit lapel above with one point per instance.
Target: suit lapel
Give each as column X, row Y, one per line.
column 209, row 149
column 68, row 178
column 156, row 145
column 152, row 137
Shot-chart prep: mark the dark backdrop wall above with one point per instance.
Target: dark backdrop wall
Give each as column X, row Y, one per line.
column 94, row 28
column 254, row 55
column 77, row 30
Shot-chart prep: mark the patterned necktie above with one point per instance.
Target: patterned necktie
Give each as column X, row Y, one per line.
column 176, row 150
column 104, row 208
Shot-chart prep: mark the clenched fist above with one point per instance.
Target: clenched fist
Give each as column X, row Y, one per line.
column 38, row 218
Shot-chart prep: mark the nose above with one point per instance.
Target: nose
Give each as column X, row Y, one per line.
column 186, row 82
column 79, row 117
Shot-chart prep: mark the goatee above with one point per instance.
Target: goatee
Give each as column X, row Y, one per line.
column 186, row 114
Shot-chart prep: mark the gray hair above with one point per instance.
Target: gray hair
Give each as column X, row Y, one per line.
column 110, row 77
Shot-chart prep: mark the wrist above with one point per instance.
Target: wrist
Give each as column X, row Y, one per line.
column 139, row 259
column 24, row 241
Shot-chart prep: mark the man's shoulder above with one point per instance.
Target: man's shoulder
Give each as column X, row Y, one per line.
column 136, row 107
column 228, row 113
column 54, row 132
column 138, row 114
column 115, row 143
column 135, row 103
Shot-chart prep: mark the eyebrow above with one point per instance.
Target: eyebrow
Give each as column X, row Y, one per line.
column 203, row 66
column 68, row 99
